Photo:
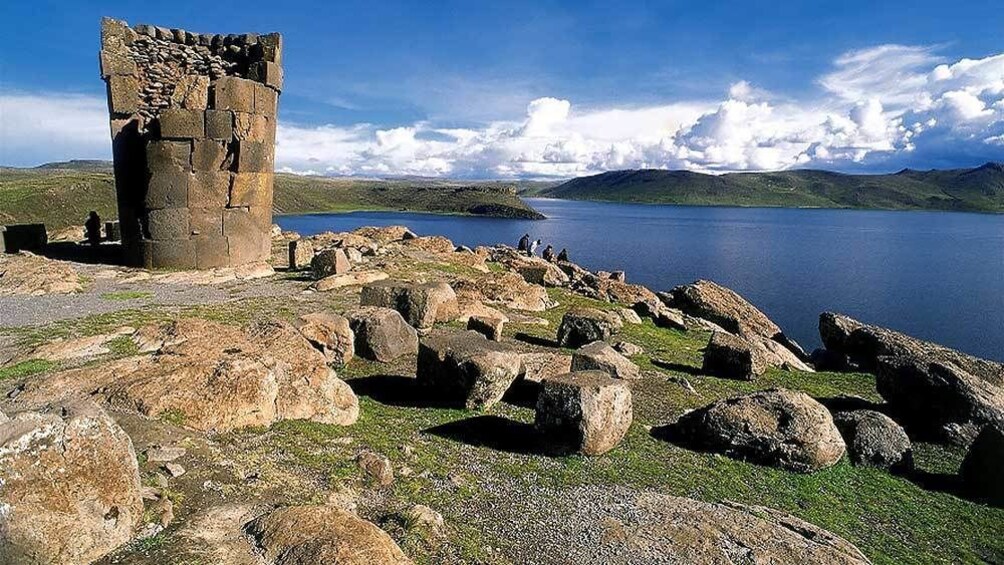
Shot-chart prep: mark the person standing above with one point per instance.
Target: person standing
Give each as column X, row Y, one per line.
column 524, row 243
column 533, row 248
column 563, row 256
column 92, row 228
column 548, row 254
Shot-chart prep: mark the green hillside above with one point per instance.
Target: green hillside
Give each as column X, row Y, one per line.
column 977, row 190
column 61, row 194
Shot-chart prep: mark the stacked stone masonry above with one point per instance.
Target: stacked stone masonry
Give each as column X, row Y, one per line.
column 193, row 134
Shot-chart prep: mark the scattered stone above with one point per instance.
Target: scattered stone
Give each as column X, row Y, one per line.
column 174, row 469
column 77, row 348
column 777, row 427
column 601, row 357
column 385, row 234
column 538, row 365
column 491, row 328
column 349, row 279
column 164, row 454
column 382, row 334
column 427, row 520
column 732, row 357
column 330, row 334
column 982, row 470
column 628, row 349
column 329, row 262
column 629, row 316
column 421, row 305
column 580, row 326
column 508, row 289
column 322, row 534
column 875, row 440
column 466, row 368
column 586, row 412
column 69, row 486
column 377, row 467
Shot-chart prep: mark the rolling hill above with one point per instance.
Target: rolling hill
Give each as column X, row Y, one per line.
column 61, row 194
column 980, row 189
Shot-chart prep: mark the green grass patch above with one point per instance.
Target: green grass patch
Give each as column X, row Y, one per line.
column 27, row 368
column 126, row 295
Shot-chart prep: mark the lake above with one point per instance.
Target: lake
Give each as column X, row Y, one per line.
column 935, row 275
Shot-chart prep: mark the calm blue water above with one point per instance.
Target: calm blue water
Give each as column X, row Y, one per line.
column 935, row 275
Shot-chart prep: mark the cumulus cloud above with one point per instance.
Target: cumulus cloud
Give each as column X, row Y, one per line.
column 876, row 107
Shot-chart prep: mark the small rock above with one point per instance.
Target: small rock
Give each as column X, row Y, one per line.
column 628, row 349
column 874, row 439
column 161, row 454
column 491, row 328
column 377, row 467
column 426, row 519
column 174, row 469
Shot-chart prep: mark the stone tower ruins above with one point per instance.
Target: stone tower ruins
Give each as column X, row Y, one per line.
column 193, row 137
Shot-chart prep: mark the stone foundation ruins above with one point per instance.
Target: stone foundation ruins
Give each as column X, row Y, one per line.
column 193, row 137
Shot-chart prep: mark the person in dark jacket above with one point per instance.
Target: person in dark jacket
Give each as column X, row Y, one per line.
column 563, row 256
column 92, row 228
column 548, row 254
column 524, row 243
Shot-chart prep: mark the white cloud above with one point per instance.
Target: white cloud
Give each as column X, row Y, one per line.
column 876, row 105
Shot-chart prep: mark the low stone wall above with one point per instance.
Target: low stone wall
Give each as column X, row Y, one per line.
column 193, row 134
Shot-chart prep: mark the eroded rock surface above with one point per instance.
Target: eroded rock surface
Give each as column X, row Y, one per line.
column 69, row 485
column 874, row 439
column 585, row 411
column 382, row 334
column 467, row 368
column 599, row 356
column 580, row 326
column 28, row 274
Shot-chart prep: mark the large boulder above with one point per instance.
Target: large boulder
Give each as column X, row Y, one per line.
column 580, row 326
column 982, row 470
column 507, row 289
column 724, row 307
column 384, row 234
column 587, row 412
column 330, row 334
column 421, row 304
column 466, row 368
column 213, row 377
column 778, row 427
column 69, row 486
column 300, row 254
column 732, row 357
column 661, row 315
column 307, row 535
column 934, row 395
column 382, row 334
column 329, row 262
column 599, row 356
column 491, row 328
column 431, row 243
column 875, row 440
column 538, row 365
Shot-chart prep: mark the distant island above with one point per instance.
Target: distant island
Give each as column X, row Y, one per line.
column 979, row 189
column 61, row 194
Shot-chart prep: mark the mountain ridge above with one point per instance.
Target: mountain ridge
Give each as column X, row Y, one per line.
column 977, row 189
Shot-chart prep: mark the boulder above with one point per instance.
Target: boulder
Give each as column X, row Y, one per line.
column 421, row 304
column 935, row 398
column 431, row 243
column 300, row 254
column 382, row 334
column 467, row 369
column 628, row 349
column 982, row 470
column 599, row 356
column 586, row 412
column 69, row 486
column 629, row 316
column 329, row 262
column 580, row 326
column 777, row 427
column 507, row 289
column 661, row 315
column 377, row 467
column 349, row 279
column 385, row 234
column 724, row 307
column 213, row 377
column 330, row 334
column 538, row 365
column 302, row 535
column 491, row 328
column 686, row 531
column 874, row 439
column 732, row 357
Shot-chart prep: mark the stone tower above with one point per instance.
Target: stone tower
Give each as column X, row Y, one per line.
column 193, row 137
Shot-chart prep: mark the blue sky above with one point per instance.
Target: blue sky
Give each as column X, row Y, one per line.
column 537, row 89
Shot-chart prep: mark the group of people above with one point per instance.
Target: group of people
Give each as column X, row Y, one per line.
column 530, row 248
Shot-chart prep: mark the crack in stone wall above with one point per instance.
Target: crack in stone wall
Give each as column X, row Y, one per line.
column 193, row 121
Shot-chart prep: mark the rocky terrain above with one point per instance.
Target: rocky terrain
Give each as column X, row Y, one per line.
column 381, row 397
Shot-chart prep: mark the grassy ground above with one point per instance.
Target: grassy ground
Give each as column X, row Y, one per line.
column 63, row 197
column 459, row 459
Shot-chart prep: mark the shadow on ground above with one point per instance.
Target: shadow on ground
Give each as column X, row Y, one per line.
column 395, row 390
column 493, row 432
column 104, row 254
column 535, row 340
column 677, row 367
